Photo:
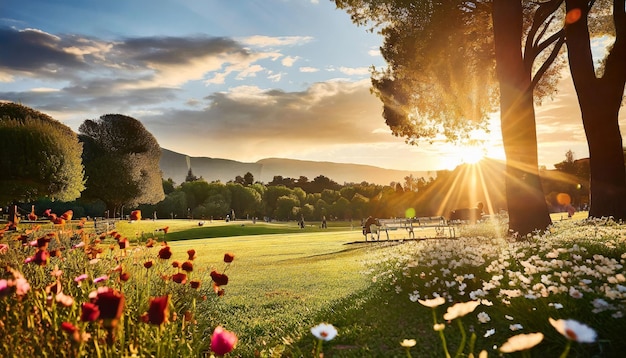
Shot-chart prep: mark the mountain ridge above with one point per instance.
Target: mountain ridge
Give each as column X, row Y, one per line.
column 175, row 165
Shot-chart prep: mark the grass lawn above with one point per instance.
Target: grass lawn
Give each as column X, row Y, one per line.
column 283, row 279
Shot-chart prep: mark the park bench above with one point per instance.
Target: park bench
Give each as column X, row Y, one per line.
column 439, row 223
column 103, row 225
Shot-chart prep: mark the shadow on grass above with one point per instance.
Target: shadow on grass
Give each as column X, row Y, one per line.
column 372, row 323
column 229, row 231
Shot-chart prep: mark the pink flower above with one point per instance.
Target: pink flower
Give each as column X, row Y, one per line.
column 100, row 279
column 81, row 278
column 223, row 341
column 4, row 287
column 22, row 286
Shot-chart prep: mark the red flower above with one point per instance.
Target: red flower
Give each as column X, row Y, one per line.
column 41, row 257
column 124, row 276
column 219, row 278
column 67, row 215
column 135, row 215
column 68, row 327
column 229, row 257
column 165, row 253
column 110, row 303
column 150, row 243
column 89, row 312
column 158, row 310
column 42, row 242
column 123, row 243
column 187, row 266
column 223, row 341
column 175, row 264
column 195, row 284
column 192, row 254
column 179, row 277
column 147, row 264
column 165, row 229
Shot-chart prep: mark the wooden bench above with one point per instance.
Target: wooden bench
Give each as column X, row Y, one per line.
column 102, row 226
column 442, row 227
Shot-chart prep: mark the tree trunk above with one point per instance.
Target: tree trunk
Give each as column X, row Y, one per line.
column 528, row 210
column 600, row 100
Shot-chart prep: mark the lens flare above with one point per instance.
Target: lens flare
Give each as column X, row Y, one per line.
column 563, row 199
column 409, row 213
column 572, row 16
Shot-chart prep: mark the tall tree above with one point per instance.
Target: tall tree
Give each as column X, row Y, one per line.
column 600, row 95
column 446, row 71
column 121, row 162
column 41, row 157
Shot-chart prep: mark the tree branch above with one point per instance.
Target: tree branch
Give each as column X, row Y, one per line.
column 544, row 67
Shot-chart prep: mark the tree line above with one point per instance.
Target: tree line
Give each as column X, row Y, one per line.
column 112, row 167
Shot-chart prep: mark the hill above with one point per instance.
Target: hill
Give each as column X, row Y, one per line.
column 176, row 165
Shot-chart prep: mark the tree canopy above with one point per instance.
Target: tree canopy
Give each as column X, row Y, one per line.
column 121, row 161
column 41, row 157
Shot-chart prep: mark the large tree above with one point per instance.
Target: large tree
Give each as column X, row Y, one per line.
column 446, row 72
column 121, row 161
column 600, row 95
column 40, row 157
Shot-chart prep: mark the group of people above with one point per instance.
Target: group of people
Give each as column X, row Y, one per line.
column 301, row 222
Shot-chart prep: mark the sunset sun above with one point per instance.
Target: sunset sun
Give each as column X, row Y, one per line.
column 463, row 155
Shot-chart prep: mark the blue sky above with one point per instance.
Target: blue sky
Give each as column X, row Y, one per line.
column 241, row 80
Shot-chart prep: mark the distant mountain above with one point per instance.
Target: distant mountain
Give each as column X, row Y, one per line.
column 175, row 165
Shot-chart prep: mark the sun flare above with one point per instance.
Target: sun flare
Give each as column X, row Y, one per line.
column 464, row 155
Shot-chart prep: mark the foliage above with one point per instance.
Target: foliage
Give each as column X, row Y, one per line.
column 40, row 157
column 121, row 161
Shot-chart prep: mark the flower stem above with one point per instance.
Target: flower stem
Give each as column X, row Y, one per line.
column 459, row 351
column 566, row 351
column 441, row 335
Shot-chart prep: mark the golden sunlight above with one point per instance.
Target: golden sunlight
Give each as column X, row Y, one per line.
column 463, row 155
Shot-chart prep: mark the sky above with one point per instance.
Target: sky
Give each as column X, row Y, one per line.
column 241, row 80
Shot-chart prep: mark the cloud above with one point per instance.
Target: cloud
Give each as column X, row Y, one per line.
column 360, row 71
column 289, row 61
column 308, row 69
column 259, row 121
column 267, row 41
column 30, row 51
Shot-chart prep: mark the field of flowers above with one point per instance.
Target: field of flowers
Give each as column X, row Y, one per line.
column 557, row 293
column 67, row 292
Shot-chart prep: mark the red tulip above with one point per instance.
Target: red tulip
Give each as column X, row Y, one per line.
column 229, row 257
